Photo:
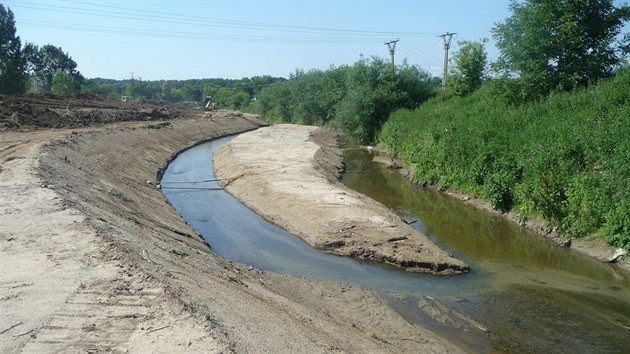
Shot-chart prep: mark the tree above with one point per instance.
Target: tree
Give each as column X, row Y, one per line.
column 48, row 61
column 62, row 84
column 374, row 91
column 166, row 91
column 239, row 99
column 13, row 77
column 561, row 44
column 469, row 67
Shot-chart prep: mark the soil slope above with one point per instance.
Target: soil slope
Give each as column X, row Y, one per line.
column 291, row 182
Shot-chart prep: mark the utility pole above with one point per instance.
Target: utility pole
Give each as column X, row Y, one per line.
column 446, row 38
column 392, row 49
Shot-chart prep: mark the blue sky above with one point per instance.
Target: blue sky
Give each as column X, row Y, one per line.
column 160, row 39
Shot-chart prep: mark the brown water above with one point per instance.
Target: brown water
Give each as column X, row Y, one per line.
column 531, row 295
column 537, row 297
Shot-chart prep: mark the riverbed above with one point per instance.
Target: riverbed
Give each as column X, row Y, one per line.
column 529, row 294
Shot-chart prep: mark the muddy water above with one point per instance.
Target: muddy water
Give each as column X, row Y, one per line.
column 530, row 295
column 535, row 296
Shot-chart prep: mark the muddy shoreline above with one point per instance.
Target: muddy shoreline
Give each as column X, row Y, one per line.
column 292, row 183
column 590, row 246
column 130, row 275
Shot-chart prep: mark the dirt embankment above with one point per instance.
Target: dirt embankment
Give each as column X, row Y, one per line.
column 82, row 110
column 286, row 173
column 94, row 259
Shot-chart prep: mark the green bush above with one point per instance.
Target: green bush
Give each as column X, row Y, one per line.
column 617, row 225
column 564, row 157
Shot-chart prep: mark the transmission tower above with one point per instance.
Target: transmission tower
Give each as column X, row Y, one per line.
column 446, row 38
column 392, row 48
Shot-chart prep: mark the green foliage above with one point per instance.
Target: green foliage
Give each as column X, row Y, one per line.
column 468, row 67
column 239, row 100
column 13, row 79
column 564, row 158
column 617, row 225
column 561, row 44
column 356, row 98
column 62, row 84
column 46, row 62
column 233, row 94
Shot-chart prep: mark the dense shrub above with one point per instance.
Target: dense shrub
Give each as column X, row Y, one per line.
column 564, row 157
column 358, row 98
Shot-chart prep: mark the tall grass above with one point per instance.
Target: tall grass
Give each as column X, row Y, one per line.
column 566, row 158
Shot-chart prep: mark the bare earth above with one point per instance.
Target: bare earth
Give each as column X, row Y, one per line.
column 291, row 182
column 94, row 259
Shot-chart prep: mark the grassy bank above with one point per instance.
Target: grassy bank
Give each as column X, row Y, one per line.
column 566, row 158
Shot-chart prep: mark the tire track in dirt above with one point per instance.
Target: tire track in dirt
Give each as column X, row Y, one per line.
column 57, row 292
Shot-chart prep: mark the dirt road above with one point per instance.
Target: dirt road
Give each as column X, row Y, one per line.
column 93, row 259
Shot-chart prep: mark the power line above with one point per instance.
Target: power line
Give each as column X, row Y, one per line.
column 426, row 58
column 173, row 18
column 191, row 35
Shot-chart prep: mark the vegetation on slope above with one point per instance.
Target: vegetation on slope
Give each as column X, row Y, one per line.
column 357, row 98
column 564, row 158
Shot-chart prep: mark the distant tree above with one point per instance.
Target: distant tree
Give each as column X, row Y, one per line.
column 48, row 61
column 166, row 91
column 561, row 44
column 468, row 67
column 374, row 91
column 276, row 102
column 193, row 92
column 333, row 90
column 307, row 89
column 13, row 77
column 144, row 90
column 221, row 97
column 239, row 99
column 62, row 84
column 98, row 86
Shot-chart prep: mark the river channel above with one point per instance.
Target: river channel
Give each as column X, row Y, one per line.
column 531, row 295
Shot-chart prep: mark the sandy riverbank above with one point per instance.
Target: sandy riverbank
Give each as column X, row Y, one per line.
column 286, row 173
column 94, row 259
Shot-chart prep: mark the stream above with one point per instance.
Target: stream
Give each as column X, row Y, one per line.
column 530, row 295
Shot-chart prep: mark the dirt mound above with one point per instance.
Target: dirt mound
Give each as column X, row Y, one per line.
column 33, row 111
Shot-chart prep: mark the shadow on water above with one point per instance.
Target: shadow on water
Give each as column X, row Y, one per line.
column 529, row 294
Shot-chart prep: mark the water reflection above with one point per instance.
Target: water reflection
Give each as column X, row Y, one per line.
column 537, row 296
column 483, row 240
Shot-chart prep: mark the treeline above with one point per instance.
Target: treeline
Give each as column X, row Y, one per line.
column 356, row 98
column 239, row 94
column 565, row 158
column 48, row 69
column 31, row 68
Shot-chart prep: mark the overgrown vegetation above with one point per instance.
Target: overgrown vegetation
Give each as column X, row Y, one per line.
column 561, row 44
column 238, row 94
column 357, row 98
column 565, row 158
